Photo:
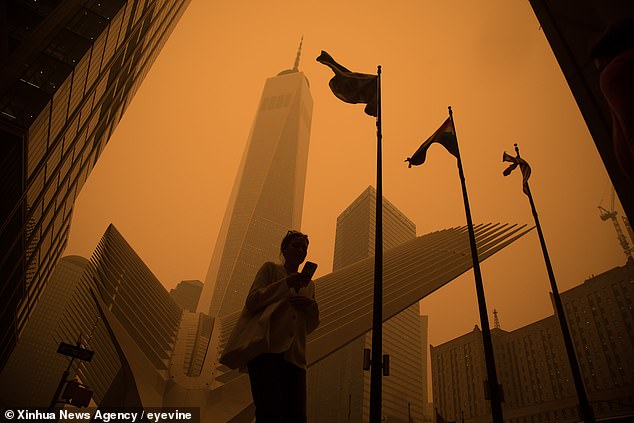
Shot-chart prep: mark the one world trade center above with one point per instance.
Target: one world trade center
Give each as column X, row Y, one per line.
column 268, row 193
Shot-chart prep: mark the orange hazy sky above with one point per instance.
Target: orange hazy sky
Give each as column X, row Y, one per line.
column 165, row 177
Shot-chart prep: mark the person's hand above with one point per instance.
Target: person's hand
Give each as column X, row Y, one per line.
column 297, row 281
column 300, row 301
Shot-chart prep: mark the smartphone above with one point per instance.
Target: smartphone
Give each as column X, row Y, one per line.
column 309, row 270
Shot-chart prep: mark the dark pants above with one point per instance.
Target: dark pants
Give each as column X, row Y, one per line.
column 278, row 388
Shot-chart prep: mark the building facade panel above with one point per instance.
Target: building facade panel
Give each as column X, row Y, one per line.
column 533, row 366
column 58, row 107
column 31, row 375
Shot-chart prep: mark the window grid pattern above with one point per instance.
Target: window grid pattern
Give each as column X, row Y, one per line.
column 532, row 362
column 69, row 99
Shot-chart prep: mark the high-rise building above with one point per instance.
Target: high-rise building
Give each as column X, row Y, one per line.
column 533, row 365
column 68, row 70
column 339, row 389
column 458, row 373
column 32, row 373
column 187, row 293
column 268, row 193
column 600, row 314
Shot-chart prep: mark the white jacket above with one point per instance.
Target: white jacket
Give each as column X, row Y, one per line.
column 269, row 323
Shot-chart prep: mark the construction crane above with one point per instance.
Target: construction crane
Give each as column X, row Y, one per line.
column 611, row 214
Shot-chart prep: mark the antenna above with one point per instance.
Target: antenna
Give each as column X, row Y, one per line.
column 299, row 53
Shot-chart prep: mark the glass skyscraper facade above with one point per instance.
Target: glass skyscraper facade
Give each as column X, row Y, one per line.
column 68, row 71
column 33, row 371
column 339, row 388
column 268, row 193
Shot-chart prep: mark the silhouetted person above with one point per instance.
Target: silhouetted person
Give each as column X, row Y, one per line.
column 270, row 336
column 613, row 54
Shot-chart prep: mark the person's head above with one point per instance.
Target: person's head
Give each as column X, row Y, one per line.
column 294, row 247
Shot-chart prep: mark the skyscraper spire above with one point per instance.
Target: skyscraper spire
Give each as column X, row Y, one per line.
column 299, row 53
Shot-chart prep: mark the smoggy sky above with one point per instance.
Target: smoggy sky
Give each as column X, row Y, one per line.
column 165, row 177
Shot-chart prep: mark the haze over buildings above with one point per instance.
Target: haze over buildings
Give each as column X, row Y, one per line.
column 268, row 193
column 514, row 85
column 191, row 132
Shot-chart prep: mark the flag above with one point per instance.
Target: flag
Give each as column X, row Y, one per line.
column 524, row 167
column 352, row 87
column 445, row 135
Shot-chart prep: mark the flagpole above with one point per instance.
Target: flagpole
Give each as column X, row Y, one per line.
column 492, row 383
column 377, row 316
column 585, row 410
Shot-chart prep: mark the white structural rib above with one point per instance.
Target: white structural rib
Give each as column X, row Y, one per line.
column 411, row 271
